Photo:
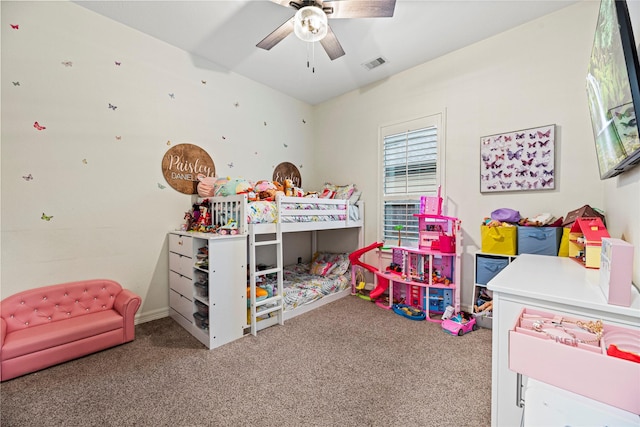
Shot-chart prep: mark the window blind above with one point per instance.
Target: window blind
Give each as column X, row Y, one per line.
column 410, row 163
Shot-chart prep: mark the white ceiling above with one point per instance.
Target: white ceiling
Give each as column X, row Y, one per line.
column 226, row 33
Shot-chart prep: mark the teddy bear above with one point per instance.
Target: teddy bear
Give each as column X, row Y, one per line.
column 288, row 187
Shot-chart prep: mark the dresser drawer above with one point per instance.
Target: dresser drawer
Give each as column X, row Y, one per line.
column 181, row 284
column 181, row 264
column 181, row 304
column 182, row 245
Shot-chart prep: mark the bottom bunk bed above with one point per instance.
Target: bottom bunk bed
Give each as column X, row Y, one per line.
column 307, row 286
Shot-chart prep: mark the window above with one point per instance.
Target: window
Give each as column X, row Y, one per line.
column 411, row 167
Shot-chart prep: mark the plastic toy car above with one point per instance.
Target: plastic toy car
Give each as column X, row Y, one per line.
column 459, row 324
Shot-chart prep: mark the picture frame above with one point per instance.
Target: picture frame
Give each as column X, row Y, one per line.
column 522, row 160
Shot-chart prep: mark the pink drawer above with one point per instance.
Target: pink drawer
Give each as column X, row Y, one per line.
column 584, row 368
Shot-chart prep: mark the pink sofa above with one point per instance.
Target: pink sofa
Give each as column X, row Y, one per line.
column 46, row 326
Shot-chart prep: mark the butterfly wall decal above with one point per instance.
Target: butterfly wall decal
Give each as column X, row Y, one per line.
column 546, row 153
column 514, row 154
column 38, row 126
column 543, row 144
column 113, row 107
column 531, row 144
column 520, row 135
column 204, row 82
column 230, row 164
column 84, row 161
column 533, row 174
column 304, row 121
column 15, row 26
column 285, row 145
column 520, row 184
column 236, row 104
column 542, row 164
column 118, row 63
column 67, row 63
column 172, row 96
column 16, row 83
column 160, row 186
column 546, row 134
column 531, row 154
column 508, row 138
column 118, row 137
column 547, row 172
column 547, row 182
column 46, row 217
column 527, row 162
column 27, row 177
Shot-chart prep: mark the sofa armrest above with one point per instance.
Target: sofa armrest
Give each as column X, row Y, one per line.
column 127, row 304
column 3, row 332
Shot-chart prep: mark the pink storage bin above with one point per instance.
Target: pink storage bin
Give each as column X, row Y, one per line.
column 584, row 369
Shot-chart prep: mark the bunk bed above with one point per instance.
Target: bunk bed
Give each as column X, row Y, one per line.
column 299, row 288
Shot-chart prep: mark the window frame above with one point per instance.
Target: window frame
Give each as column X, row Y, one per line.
column 434, row 120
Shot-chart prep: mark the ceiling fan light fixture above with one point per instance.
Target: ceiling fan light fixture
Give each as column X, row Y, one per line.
column 310, row 24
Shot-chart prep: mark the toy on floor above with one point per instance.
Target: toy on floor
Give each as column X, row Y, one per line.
column 487, row 306
column 409, row 312
column 360, row 286
column 459, row 324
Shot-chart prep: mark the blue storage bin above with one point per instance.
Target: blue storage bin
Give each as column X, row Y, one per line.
column 539, row 240
column 487, row 267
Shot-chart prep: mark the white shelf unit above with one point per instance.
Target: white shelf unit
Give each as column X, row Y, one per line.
column 486, row 266
column 208, row 285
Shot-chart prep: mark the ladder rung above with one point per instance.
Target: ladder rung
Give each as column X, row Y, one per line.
column 271, row 300
column 268, row 310
column 267, row 242
column 269, row 271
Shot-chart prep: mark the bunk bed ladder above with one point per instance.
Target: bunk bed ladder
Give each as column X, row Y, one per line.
column 273, row 306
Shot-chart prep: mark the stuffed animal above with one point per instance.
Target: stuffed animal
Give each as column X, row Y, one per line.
column 288, row 187
column 235, row 186
column 265, row 190
column 206, row 185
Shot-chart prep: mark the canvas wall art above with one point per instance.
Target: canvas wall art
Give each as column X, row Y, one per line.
column 523, row 160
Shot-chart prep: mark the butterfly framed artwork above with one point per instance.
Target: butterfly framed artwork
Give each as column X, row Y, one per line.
column 522, row 160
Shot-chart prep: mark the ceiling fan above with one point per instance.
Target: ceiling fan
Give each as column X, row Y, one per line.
column 310, row 21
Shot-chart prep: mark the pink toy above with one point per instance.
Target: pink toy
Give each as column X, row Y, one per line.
column 354, row 258
column 459, row 324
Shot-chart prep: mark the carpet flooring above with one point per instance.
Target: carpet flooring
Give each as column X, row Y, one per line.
column 348, row 363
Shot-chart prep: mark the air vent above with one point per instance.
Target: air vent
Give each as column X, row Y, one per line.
column 374, row 64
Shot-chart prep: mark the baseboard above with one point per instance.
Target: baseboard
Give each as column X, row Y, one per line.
column 148, row 316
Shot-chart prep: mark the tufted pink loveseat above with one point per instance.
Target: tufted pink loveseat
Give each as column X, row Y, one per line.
column 45, row 326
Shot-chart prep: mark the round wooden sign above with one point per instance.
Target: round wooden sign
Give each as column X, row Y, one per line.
column 182, row 164
column 286, row 170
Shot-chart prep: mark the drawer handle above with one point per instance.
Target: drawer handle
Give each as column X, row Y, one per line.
column 179, row 242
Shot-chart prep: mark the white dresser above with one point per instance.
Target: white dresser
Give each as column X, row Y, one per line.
column 208, row 285
column 555, row 284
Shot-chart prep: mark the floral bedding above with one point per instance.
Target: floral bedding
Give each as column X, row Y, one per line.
column 263, row 212
column 301, row 287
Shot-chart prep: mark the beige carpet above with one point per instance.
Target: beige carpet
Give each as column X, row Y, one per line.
column 348, row 363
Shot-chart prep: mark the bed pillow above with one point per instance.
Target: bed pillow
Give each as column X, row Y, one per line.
column 342, row 192
column 340, row 261
column 321, row 268
column 355, row 196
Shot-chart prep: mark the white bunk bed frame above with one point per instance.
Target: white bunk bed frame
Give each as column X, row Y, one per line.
column 235, row 207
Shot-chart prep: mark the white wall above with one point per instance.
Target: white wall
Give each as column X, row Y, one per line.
column 531, row 76
column 110, row 217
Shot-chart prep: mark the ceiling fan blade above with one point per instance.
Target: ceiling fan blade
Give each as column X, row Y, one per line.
column 287, row 3
column 359, row 8
column 331, row 45
column 277, row 35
